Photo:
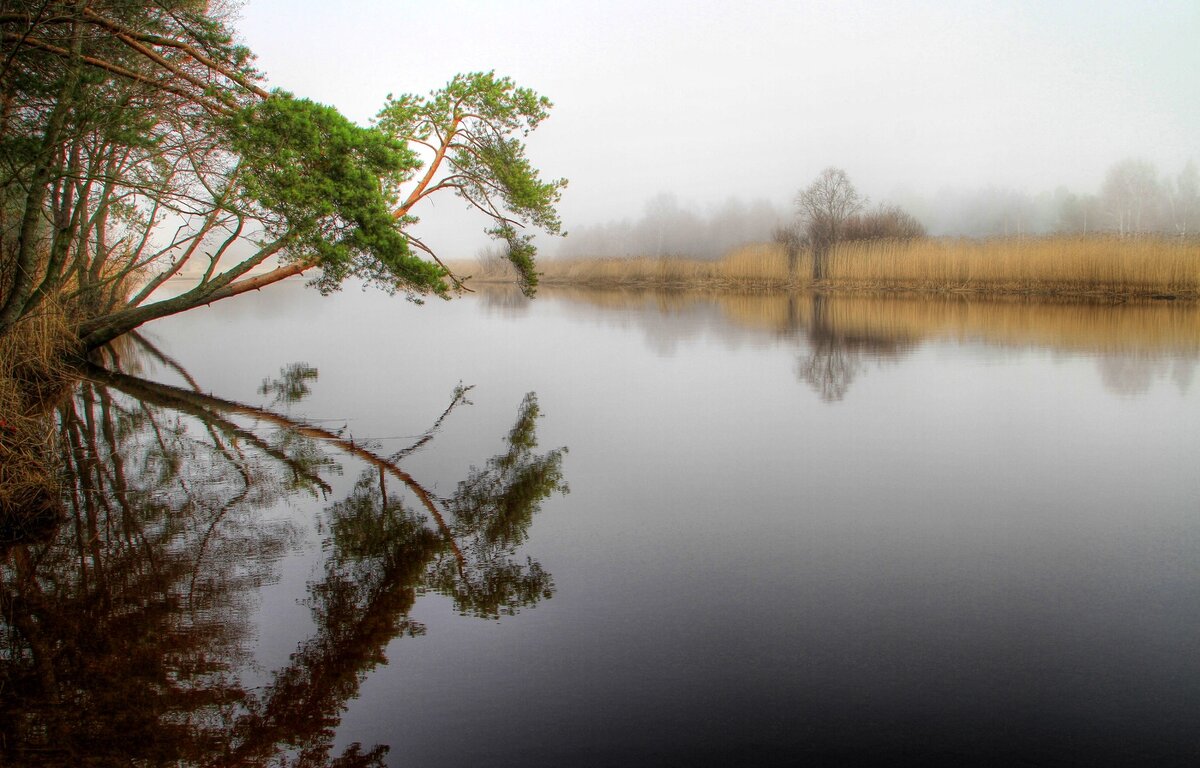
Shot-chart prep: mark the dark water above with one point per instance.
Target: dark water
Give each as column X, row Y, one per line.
column 620, row 529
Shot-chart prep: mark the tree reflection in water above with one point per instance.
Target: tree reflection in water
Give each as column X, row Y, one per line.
column 122, row 636
column 835, row 357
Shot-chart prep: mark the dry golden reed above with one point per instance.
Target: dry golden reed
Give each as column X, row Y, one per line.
column 32, row 376
column 1058, row 265
column 1062, row 265
column 749, row 267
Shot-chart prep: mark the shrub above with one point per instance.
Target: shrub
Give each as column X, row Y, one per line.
column 887, row 222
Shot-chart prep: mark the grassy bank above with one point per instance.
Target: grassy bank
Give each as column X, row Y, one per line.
column 32, row 378
column 1062, row 266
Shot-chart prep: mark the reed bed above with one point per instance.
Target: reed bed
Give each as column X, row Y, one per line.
column 755, row 266
column 752, row 266
column 1051, row 265
column 1060, row 265
column 32, row 377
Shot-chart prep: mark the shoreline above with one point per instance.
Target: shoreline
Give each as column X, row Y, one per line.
column 1079, row 267
column 1103, row 294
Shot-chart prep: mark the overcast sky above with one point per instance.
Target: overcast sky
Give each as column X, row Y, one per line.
column 754, row 98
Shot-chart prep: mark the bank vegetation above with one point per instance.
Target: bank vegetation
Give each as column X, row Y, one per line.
column 1060, row 265
column 836, row 242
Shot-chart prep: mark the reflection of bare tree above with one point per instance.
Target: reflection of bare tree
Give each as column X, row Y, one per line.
column 829, row 368
column 1131, row 373
column 122, row 634
column 1182, row 373
column 834, row 357
column 1126, row 374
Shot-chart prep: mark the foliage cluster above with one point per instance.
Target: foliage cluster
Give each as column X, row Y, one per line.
column 137, row 143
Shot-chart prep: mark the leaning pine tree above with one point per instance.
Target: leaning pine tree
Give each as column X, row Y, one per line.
column 136, row 140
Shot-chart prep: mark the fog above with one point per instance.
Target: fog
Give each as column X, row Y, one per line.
column 668, row 228
column 939, row 107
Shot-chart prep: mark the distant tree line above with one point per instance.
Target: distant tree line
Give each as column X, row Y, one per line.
column 1134, row 199
column 667, row 228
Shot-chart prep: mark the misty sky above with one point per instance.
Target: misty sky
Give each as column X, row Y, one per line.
column 752, row 99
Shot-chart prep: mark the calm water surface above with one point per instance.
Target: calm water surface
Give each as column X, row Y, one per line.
column 621, row 529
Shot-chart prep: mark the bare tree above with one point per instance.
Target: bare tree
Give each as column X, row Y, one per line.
column 1080, row 214
column 824, row 206
column 1130, row 192
column 886, row 222
column 1184, row 199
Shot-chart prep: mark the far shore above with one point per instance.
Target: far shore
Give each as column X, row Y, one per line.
column 1096, row 268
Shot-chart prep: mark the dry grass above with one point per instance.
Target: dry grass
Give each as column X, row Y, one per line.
column 1066, row 266
column 1052, row 265
column 750, row 267
column 32, row 377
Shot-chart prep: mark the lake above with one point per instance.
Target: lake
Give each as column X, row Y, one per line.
column 620, row 528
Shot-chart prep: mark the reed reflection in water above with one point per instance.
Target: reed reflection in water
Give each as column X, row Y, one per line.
column 843, row 336
column 124, row 632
